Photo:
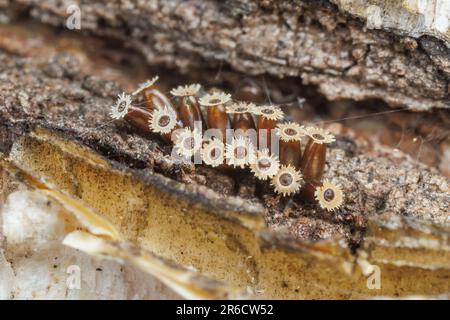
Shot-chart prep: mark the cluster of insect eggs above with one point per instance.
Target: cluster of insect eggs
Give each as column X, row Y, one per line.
column 291, row 171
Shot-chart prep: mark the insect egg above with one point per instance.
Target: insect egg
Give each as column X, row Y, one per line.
column 266, row 165
column 122, row 106
column 153, row 97
column 217, row 117
column 240, row 152
column 188, row 106
column 137, row 117
column 163, row 121
column 266, row 123
column 287, row 181
column 313, row 160
column 242, row 117
column 329, row 196
column 290, row 143
column 213, row 152
column 290, row 172
column 188, row 142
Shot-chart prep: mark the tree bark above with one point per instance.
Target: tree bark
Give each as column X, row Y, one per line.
column 55, row 94
column 309, row 40
column 393, row 204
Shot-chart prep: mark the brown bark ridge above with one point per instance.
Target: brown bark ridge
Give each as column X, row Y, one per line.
column 311, row 40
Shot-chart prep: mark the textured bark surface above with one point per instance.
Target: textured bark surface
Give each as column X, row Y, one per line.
column 311, row 41
column 54, row 93
column 66, row 81
column 413, row 18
